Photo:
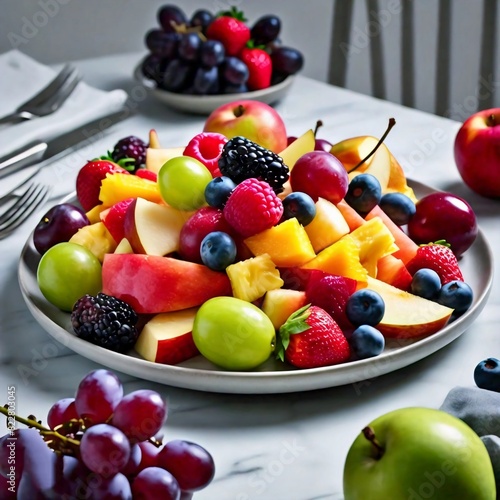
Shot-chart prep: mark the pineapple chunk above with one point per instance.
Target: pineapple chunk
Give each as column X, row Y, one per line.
column 340, row 258
column 252, row 278
column 94, row 214
column 375, row 241
column 118, row 187
column 96, row 238
column 287, row 244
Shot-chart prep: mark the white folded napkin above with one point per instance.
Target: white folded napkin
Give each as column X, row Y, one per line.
column 21, row 77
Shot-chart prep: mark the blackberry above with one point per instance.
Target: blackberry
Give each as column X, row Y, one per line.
column 242, row 159
column 130, row 148
column 105, row 321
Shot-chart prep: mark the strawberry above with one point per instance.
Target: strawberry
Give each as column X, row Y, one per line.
column 252, row 207
column 89, row 178
column 144, row 173
column 311, row 338
column 114, row 219
column 230, row 29
column 439, row 258
column 259, row 66
column 331, row 293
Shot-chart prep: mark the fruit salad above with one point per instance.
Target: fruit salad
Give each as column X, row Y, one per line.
column 217, row 52
column 236, row 253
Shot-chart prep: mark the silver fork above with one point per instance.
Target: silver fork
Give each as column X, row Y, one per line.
column 27, row 203
column 49, row 99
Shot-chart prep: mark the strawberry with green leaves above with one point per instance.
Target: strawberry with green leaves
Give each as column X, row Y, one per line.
column 311, row 338
column 230, row 29
column 260, row 67
column 440, row 258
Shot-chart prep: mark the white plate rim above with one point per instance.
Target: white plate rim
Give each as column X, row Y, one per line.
column 257, row 382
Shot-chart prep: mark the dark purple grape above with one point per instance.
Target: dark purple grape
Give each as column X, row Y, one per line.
column 132, row 467
column 203, row 18
column 178, row 76
column 189, row 463
column 287, row 61
column 116, row 487
column 206, row 81
column 212, row 53
column 59, row 224
column 235, row 89
column 153, row 67
column 265, row 30
column 235, row 71
column 162, row 44
column 169, row 15
column 189, row 47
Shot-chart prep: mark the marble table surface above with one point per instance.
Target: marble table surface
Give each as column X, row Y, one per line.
column 266, row 447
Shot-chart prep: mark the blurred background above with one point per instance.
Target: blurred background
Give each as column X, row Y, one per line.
column 358, row 44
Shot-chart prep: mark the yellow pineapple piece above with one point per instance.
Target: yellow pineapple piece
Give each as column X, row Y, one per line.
column 375, row 241
column 96, row 238
column 94, row 214
column 118, row 187
column 252, row 278
column 287, row 244
column 340, row 258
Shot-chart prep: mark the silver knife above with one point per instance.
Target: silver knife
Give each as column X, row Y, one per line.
column 40, row 152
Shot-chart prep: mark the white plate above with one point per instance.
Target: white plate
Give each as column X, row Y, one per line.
column 205, row 104
column 273, row 376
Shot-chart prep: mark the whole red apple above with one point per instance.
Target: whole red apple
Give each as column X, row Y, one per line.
column 254, row 120
column 477, row 152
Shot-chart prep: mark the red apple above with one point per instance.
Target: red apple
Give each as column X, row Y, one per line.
column 254, row 120
column 477, row 152
column 152, row 284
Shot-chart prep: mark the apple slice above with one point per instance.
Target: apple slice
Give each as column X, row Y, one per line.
column 153, row 229
column 152, row 284
column 124, row 247
column 407, row 315
column 279, row 304
column 300, row 146
column 167, row 338
column 379, row 166
column 156, row 158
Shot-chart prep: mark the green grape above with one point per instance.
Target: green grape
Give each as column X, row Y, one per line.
column 182, row 181
column 66, row 272
column 233, row 333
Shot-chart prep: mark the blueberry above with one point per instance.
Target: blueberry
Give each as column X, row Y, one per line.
column 365, row 307
column 399, row 207
column 301, row 206
column 218, row 190
column 456, row 295
column 487, row 374
column 366, row 342
column 364, row 193
column 217, row 250
column 426, row 283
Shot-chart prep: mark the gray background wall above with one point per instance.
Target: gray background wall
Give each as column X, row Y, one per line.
column 58, row 30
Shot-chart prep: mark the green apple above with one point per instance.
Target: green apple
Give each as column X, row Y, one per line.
column 233, row 333
column 418, row 453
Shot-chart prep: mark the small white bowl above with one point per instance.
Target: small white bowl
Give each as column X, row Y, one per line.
column 205, row 104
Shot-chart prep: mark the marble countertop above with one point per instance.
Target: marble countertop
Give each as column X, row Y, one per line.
column 266, row 447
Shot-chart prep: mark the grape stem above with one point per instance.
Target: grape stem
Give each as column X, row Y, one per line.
column 392, row 122
column 44, row 431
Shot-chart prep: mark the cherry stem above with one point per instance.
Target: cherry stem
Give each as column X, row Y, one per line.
column 370, row 435
column 31, row 422
column 319, row 124
column 391, row 124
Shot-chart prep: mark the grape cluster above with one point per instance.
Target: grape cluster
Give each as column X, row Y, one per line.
column 101, row 445
column 184, row 57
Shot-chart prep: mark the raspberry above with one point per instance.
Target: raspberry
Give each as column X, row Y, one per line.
column 253, row 207
column 105, row 321
column 242, row 159
column 206, row 147
column 132, row 148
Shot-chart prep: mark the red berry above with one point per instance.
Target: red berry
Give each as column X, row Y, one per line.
column 259, row 66
column 253, row 207
column 144, row 173
column 231, row 30
column 114, row 219
column 89, row 178
column 207, row 147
